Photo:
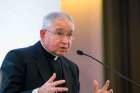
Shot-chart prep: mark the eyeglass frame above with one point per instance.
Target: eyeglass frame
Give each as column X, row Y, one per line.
column 60, row 34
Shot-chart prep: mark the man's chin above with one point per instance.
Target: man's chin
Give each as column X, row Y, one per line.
column 62, row 53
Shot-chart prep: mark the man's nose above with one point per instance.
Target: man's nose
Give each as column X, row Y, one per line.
column 65, row 39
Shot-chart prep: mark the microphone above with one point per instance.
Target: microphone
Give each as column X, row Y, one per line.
column 114, row 71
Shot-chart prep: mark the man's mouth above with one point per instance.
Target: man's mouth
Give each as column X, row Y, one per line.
column 65, row 48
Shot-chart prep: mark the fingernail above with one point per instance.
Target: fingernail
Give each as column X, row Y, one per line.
column 54, row 73
column 111, row 90
column 64, row 81
column 107, row 82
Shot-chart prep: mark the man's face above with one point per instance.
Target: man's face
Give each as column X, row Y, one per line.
column 58, row 37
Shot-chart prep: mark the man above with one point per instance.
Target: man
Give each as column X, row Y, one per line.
column 42, row 68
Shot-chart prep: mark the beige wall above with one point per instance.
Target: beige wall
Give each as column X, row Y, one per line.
column 88, row 37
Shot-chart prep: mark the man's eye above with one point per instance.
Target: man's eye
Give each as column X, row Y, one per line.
column 59, row 33
column 70, row 34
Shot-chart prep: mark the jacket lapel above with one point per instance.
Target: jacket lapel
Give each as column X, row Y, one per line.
column 44, row 69
column 67, row 75
column 42, row 62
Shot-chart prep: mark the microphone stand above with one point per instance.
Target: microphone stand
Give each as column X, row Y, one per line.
column 79, row 52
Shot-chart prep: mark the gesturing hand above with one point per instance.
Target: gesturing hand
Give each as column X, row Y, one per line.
column 50, row 86
column 104, row 89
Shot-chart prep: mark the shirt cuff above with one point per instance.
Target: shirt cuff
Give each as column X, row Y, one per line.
column 35, row 90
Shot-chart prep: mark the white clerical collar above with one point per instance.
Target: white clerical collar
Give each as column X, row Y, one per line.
column 56, row 57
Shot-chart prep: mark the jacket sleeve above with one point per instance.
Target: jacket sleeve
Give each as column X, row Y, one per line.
column 13, row 74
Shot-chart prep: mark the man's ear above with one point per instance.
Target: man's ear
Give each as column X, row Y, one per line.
column 42, row 34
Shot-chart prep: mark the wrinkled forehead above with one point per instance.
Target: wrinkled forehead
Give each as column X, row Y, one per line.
column 61, row 24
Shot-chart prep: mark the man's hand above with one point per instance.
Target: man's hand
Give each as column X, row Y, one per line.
column 104, row 89
column 50, row 86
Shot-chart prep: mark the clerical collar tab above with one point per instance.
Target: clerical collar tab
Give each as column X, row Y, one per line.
column 55, row 58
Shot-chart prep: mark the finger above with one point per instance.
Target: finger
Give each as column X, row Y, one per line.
column 95, row 85
column 59, row 89
column 105, row 87
column 58, row 82
column 111, row 91
column 52, row 78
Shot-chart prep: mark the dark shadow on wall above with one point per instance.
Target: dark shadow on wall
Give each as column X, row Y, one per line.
column 121, row 28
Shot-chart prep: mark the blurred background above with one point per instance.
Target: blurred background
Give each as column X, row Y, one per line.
column 20, row 22
column 106, row 29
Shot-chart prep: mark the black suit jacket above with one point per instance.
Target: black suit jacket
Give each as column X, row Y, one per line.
column 28, row 68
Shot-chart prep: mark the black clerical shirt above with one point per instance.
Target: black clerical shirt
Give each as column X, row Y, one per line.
column 55, row 66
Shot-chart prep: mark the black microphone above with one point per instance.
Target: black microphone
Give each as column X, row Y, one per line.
column 114, row 71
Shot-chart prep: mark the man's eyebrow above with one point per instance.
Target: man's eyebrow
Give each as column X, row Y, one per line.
column 61, row 29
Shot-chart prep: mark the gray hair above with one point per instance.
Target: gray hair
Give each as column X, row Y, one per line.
column 51, row 17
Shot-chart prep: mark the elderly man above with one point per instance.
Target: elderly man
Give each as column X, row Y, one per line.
column 42, row 68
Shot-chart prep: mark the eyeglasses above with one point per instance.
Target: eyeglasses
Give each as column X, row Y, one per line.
column 60, row 34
